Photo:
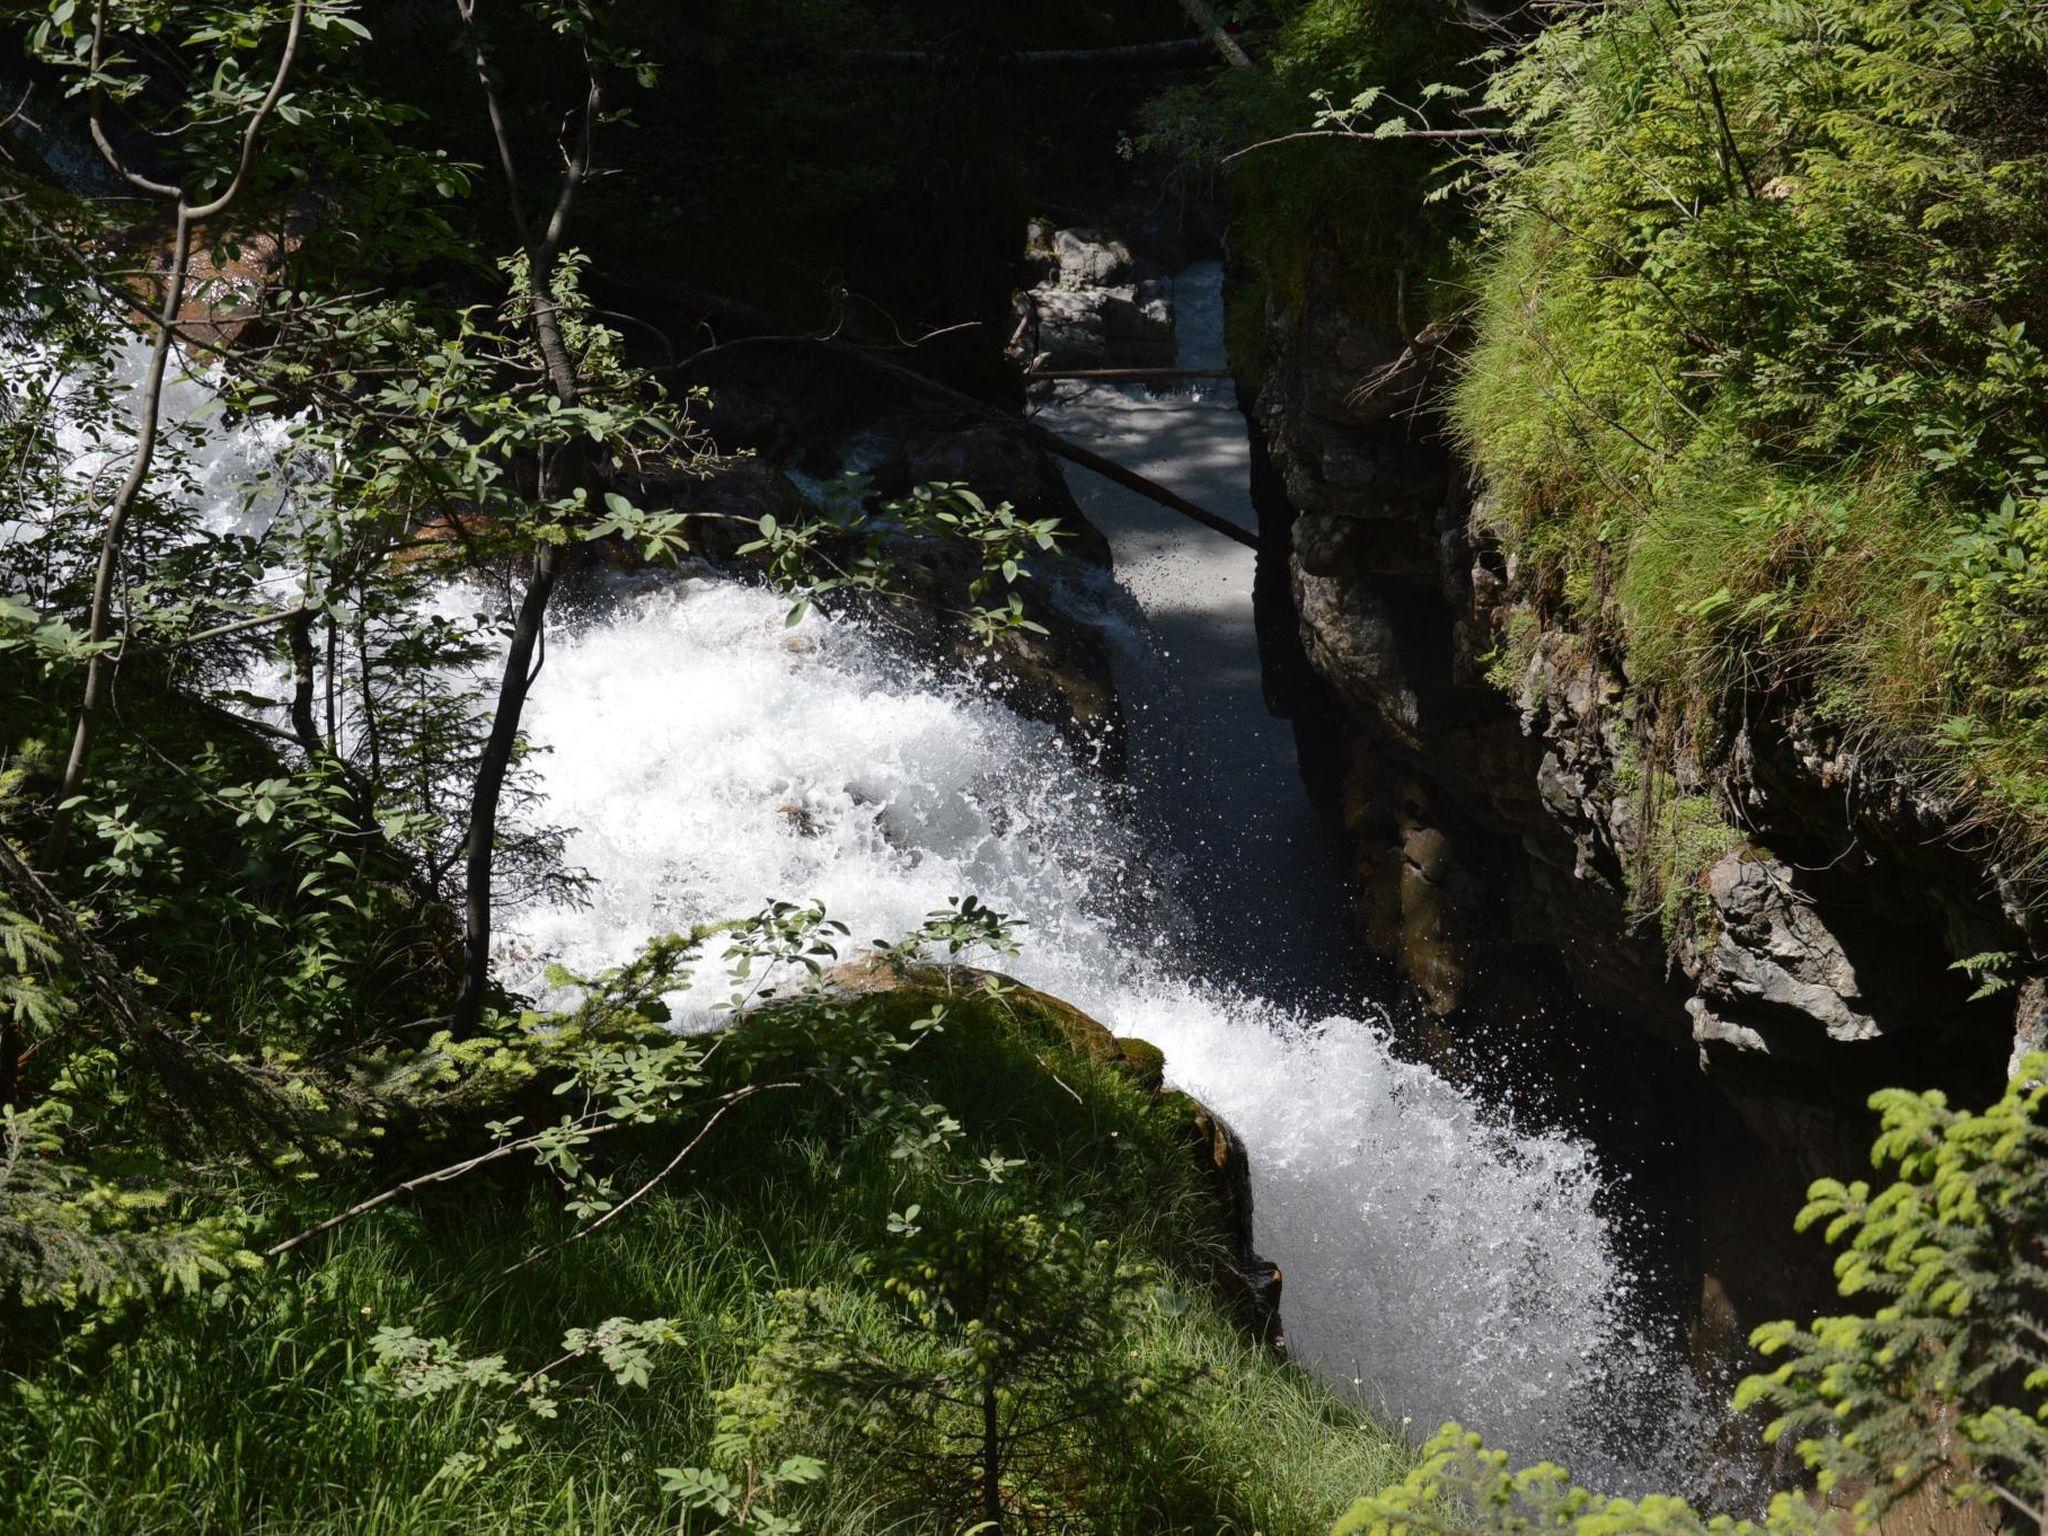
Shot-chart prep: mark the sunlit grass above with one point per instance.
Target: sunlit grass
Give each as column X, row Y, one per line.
column 245, row 1410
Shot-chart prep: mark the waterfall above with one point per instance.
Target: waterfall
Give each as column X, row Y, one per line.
column 1443, row 1264
column 1439, row 1261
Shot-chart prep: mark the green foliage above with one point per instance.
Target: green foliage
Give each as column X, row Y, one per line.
column 413, row 1369
column 847, row 549
column 32, row 1002
column 1356, row 220
column 1755, row 383
column 1006, row 1361
column 1464, row 1488
column 280, row 1247
column 75, row 1238
column 1937, row 1385
column 394, row 1361
column 742, row 1507
column 1947, row 1372
column 1685, row 836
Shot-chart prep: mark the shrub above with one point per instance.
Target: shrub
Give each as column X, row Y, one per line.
column 1005, row 1363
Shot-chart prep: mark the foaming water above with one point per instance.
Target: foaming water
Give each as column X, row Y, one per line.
column 1439, row 1262
column 710, row 756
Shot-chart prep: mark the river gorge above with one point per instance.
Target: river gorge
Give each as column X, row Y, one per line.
column 1441, row 1259
column 1062, row 771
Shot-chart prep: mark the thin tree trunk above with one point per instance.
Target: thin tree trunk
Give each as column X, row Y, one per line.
column 481, row 847
column 1130, row 479
column 99, row 667
column 572, row 469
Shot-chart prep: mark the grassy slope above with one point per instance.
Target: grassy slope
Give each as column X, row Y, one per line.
column 1761, row 407
column 242, row 1411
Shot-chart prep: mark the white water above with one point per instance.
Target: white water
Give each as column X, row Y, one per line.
column 1444, row 1265
column 712, row 757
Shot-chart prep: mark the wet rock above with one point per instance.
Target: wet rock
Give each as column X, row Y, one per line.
column 1221, row 1154
column 1091, row 308
column 1806, row 969
column 1217, row 1149
column 2030, row 1023
column 1352, row 638
column 1428, row 955
column 1428, row 852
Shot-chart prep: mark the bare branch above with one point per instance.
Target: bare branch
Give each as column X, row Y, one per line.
column 1372, row 138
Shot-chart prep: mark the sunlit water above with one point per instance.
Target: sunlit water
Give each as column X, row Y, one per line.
column 1438, row 1261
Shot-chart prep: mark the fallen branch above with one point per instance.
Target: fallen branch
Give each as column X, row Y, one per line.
column 1127, row 375
column 738, row 1096
column 1179, row 53
column 1204, row 16
column 399, row 1191
column 1108, row 468
column 1131, row 480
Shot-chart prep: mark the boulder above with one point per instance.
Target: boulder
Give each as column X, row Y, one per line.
column 1091, row 307
column 1216, row 1148
column 1773, row 963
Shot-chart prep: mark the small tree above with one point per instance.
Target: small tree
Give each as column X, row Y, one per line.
column 1007, row 1347
column 1943, row 1383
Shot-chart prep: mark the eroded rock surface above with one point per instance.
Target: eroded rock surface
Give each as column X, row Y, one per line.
column 1779, row 908
column 1092, row 306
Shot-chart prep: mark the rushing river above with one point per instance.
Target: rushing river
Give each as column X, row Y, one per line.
column 1439, row 1261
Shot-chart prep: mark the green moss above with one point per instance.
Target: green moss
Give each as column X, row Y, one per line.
column 1507, row 665
column 1247, row 337
column 1684, row 836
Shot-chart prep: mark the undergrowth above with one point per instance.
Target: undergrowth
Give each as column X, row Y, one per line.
column 251, row 1407
column 1319, row 218
column 1756, row 381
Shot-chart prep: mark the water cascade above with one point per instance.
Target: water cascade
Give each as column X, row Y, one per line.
column 1444, row 1263
column 1440, row 1261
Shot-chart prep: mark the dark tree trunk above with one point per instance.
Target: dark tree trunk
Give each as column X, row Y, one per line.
column 12, row 1044
column 481, row 846
column 300, row 634
column 572, row 468
column 991, row 1458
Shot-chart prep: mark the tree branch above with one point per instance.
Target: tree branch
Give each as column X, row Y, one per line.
column 1372, row 138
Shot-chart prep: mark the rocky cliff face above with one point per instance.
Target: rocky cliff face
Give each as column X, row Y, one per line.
column 1780, row 914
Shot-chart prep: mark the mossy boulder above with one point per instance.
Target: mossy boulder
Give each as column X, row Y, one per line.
column 1008, row 1026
